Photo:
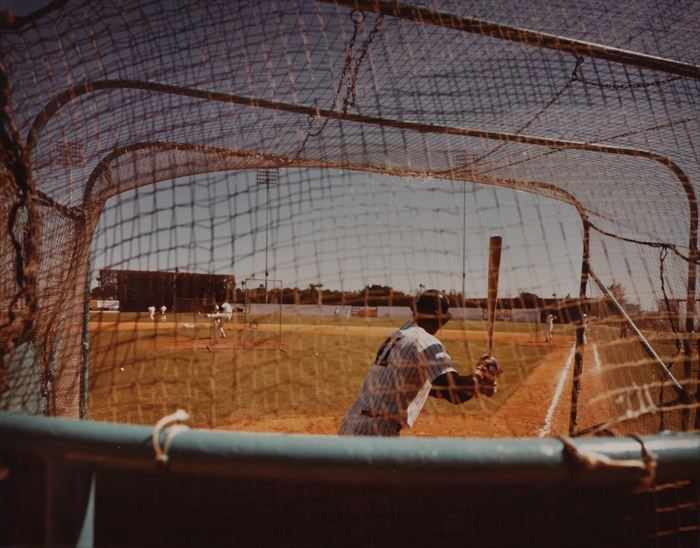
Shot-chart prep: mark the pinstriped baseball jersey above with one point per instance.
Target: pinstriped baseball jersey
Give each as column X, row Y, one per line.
column 397, row 384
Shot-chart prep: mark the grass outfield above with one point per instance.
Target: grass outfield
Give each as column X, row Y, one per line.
column 142, row 370
column 108, row 318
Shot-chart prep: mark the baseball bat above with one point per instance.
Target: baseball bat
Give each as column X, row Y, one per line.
column 492, row 295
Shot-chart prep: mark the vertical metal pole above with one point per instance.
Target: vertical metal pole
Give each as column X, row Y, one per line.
column 464, row 243
column 265, row 176
column 690, row 313
column 92, row 215
column 174, row 305
column 83, row 398
column 267, row 229
column 689, row 328
column 580, row 343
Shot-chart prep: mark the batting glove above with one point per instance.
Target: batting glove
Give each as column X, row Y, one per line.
column 486, row 373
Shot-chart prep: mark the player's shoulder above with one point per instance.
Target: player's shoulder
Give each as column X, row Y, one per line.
column 420, row 337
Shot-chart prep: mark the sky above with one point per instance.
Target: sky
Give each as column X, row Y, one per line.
column 345, row 231
column 350, row 230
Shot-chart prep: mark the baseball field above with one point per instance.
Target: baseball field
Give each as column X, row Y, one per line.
column 300, row 375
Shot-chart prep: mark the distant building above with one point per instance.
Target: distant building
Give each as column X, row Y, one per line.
column 178, row 291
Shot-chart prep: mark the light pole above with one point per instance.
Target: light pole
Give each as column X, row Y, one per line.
column 267, row 177
column 462, row 162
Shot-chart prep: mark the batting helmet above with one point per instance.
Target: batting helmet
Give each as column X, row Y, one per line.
column 432, row 302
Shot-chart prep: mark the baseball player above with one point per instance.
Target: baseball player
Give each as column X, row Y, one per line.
column 585, row 327
column 411, row 365
column 218, row 318
column 152, row 312
column 550, row 328
column 227, row 310
column 163, row 310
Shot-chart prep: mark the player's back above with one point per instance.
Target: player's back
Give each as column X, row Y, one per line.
column 404, row 363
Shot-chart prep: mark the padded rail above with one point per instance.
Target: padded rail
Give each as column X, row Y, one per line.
column 82, row 483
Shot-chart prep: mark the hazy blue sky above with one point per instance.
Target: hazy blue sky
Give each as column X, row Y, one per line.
column 345, row 231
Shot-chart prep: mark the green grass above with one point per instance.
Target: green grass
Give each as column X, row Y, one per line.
column 317, row 375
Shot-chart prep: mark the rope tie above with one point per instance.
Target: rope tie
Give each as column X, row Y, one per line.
column 170, row 433
column 650, row 462
column 590, row 460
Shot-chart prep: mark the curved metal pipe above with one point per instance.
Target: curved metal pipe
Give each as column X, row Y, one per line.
column 88, row 87
column 367, row 460
column 520, row 35
column 534, row 187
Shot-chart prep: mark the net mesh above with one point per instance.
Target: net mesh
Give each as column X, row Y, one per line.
column 356, row 153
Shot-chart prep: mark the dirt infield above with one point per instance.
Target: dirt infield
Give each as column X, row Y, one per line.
column 539, row 405
column 523, row 415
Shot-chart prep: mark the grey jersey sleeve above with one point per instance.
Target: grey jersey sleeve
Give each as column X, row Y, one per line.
column 437, row 361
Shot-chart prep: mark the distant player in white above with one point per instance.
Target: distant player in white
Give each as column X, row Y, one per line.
column 585, row 327
column 163, row 310
column 152, row 312
column 550, row 328
column 217, row 318
column 411, row 365
column 227, row 310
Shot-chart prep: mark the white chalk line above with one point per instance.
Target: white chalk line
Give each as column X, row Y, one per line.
column 547, row 426
column 596, row 358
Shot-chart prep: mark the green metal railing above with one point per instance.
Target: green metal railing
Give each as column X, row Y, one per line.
column 87, row 483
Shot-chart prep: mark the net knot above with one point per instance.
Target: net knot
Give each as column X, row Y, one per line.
column 170, row 433
column 575, row 73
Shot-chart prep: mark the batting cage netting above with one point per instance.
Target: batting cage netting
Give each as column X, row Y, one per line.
column 154, row 154
column 343, row 157
column 229, row 207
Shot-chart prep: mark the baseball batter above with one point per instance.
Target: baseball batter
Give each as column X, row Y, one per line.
column 152, row 312
column 411, row 365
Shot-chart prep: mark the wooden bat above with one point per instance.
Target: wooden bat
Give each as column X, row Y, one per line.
column 492, row 295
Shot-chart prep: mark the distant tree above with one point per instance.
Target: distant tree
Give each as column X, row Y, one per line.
column 528, row 300
column 617, row 291
column 108, row 285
